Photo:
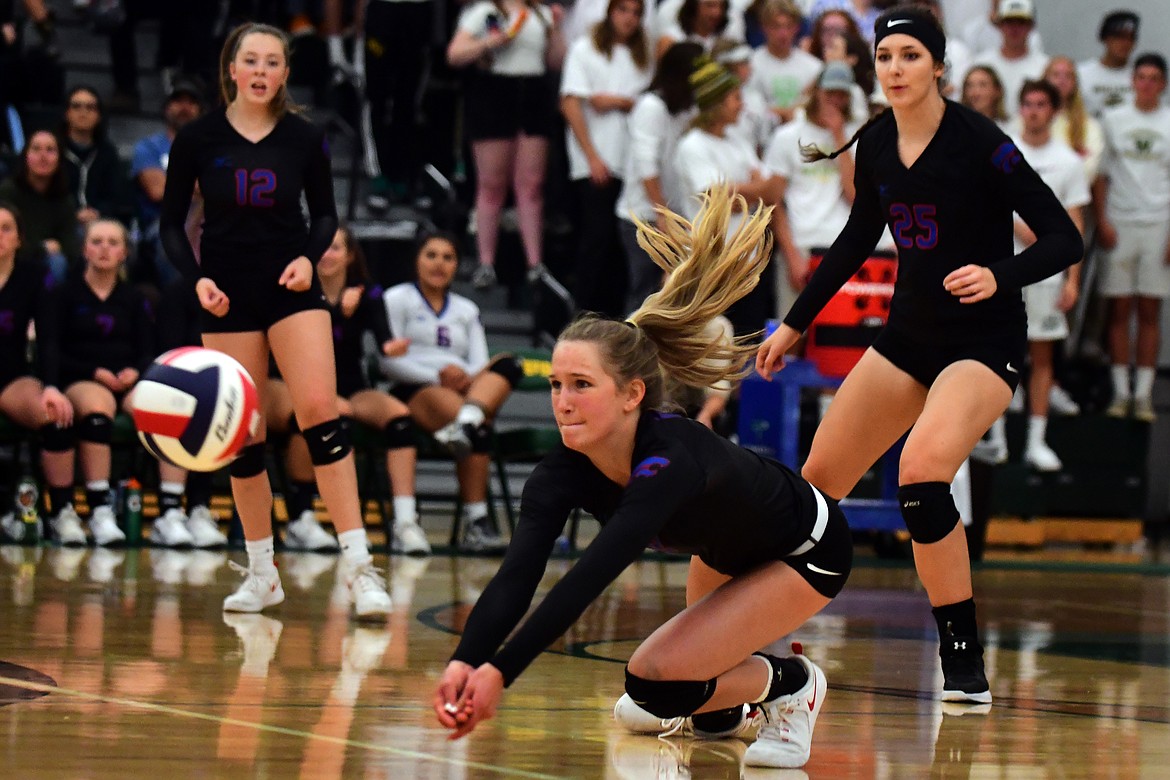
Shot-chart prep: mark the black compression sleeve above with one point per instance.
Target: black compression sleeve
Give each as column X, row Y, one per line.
column 1058, row 242
column 319, row 196
column 847, row 254
column 176, row 203
column 374, row 316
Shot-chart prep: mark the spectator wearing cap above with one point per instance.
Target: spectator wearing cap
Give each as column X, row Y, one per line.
column 1132, row 200
column 1013, row 59
column 755, row 123
column 782, row 72
column 711, row 154
column 1107, row 81
column 148, row 171
column 603, row 75
column 817, row 196
column 982, row 32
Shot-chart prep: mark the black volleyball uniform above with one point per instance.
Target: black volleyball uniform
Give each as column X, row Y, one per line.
column 78, row 332
column 19, row 299
column 690, row 491
column 253, row 224
column 370, row 315
column 951, row 208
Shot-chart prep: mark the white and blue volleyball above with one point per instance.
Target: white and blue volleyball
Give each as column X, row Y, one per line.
column 195, row 408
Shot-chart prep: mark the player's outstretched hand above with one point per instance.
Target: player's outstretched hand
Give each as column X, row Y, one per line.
column 480, row 698
column 770, row 357
column 211, row 297
column 971, row 283
column 450, row 689
column 298, row 275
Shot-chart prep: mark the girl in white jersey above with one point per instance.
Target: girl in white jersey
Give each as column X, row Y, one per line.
column 446, row 377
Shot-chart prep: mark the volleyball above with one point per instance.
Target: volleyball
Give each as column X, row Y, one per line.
column 195, row 408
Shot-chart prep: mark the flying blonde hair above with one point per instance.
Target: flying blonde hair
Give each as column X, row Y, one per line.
column 707, row 271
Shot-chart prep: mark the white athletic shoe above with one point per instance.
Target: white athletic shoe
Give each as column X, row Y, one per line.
column 104, row 527
column 256, row 592
column 454, row 436
column 1143, row 409
column 67, row 527
column 367, row 591
column 1120, row 407
column 170, row 530
column 409, row 538
column 305, row 533
column 634, row 719
column 1040, row 456
column 785, row 741
column 204, row 529
column 483, row 277
column 1060, row 402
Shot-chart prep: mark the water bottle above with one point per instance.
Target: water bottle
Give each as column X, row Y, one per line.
column 26, row 511
column 132, row 512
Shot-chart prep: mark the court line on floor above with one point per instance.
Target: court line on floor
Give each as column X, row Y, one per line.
column 168, row 710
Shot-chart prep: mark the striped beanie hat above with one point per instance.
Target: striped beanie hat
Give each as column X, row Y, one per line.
column 710, row 83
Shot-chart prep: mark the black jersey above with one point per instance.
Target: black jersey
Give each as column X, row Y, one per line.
column 951, row 208
column 690, row 491
column 370, row 315
column 19, row 298
column 78, row 332
column 251, row 196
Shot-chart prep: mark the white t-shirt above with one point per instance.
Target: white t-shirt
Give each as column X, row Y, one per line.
column 453, row 336
column 654, row 137
column 1137, row 162
column 782, row 83
column 588, row 72
column 524, row 56
column 1103, row 87
column 704, row 159
column 980, row 34
column 817, row 210
column 1061, row 169
column 1012, row 73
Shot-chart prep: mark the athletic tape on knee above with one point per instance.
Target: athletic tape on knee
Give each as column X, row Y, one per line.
column 328, row 442
column 249, row 463
column 56, row 439
column 669, row 698
column 481, row 438
column 509, row 368
column 95, row 428
column 399, row 433
column 928, row 510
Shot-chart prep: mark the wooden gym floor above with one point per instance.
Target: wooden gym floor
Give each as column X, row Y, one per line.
column 118, row 664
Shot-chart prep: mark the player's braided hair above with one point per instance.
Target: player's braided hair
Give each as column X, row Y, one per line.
column 707, row 272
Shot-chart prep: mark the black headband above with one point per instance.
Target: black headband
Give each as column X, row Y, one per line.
column 916, row 27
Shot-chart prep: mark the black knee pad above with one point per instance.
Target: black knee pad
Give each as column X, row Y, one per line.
column 328, row 442
column 481, row 438
column 669, row 698
column 928, row 510
column 249, row 463
column 509, row 368
column 56, row 439
column 399, row 433
column 95, row 428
